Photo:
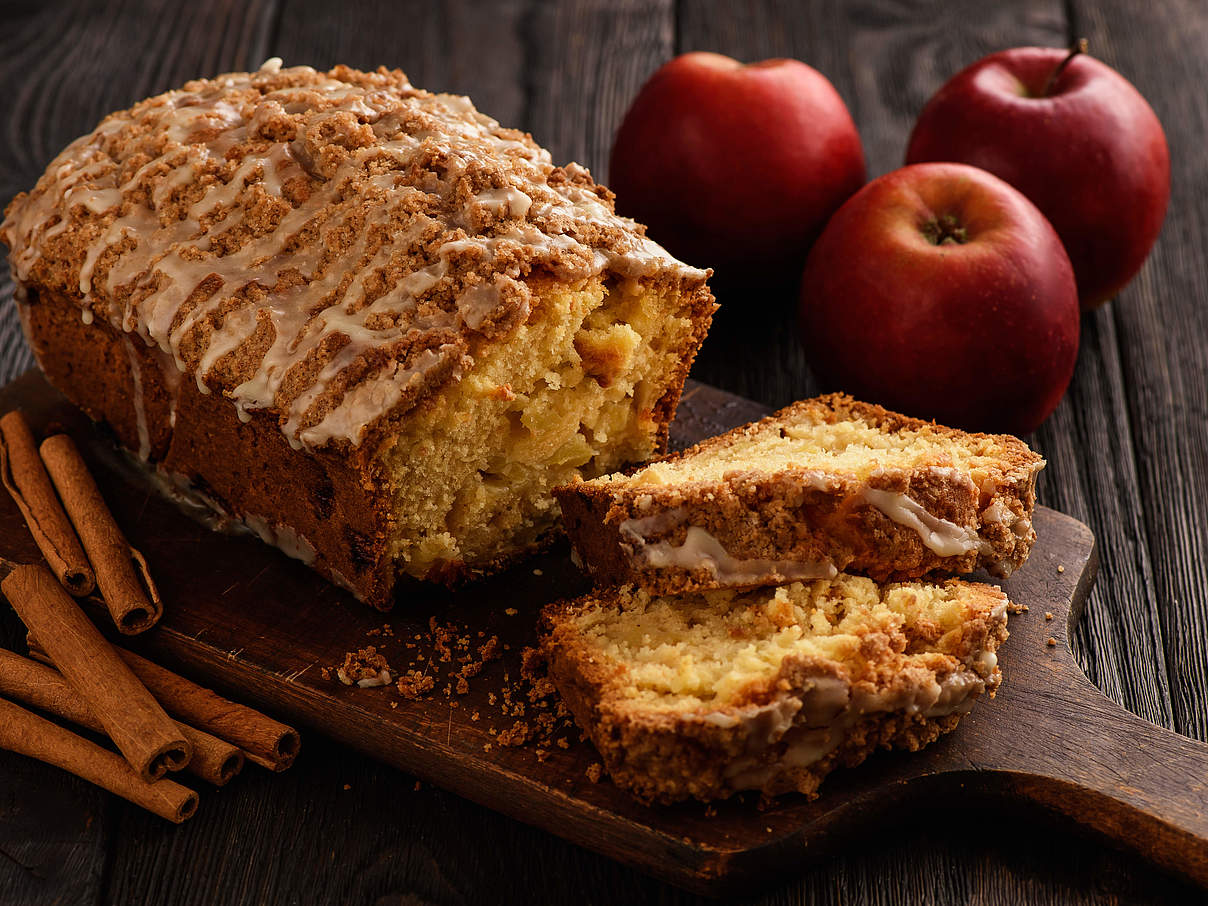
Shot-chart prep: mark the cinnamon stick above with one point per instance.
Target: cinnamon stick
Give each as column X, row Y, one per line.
column 31, row 683
column 263, row 740
column 28, row 734
column 130, row 715
column 121, row 572
column 25, row 478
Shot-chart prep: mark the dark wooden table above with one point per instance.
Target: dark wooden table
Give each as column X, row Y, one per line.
column 1127, row 449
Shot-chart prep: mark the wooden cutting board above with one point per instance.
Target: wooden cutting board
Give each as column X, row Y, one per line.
column 249, row 621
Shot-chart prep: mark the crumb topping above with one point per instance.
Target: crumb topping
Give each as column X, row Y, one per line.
column 329, row 247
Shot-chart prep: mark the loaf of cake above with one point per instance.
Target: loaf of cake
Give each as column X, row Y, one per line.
column 361, row 319
column 709, row 694
column 823, row 486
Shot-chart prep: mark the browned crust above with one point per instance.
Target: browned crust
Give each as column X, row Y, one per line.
column 247, row 468
column 663, row 756
column 700, row 310
column 782, row 517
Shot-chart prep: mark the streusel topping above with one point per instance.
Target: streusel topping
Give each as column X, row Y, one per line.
column 327, row 247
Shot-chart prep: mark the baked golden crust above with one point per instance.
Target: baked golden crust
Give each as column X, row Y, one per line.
column 783, row 731
column 769, row 527
column 329, row 248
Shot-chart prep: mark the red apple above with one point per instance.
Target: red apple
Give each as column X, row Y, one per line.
column 940, row 291
column 1078, row 140
column 736, row 167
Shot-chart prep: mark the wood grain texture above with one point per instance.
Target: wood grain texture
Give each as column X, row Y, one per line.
column 441, row 46
column 1162, row 333
column 1133, row 423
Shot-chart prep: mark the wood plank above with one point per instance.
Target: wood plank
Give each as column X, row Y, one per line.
column 452, row 46
column 587, row 60
column 55, row 831
column 1162, row 333
column 260, row 626
column 1092, row 474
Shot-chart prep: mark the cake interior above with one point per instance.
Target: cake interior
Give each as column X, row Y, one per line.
column 706, row 652
column 572, row 393
column 851, row 445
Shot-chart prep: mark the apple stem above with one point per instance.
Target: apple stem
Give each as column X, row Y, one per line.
column 945, row 230
column 1079, row 46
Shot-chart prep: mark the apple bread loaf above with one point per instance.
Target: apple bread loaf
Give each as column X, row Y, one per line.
column 827, row 484
column 713, row 693
column 361, row 319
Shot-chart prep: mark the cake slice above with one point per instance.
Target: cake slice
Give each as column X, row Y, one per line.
column 710, row 694
column 362, row 320
column 827, row 484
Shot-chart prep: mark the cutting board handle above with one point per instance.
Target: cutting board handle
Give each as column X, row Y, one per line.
column 1142, row 785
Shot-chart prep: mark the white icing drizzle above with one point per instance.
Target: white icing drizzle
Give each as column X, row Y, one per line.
column 283, row 537
column 414, row 227
column 140, row 409
column 997, row 511
column 808, row 729
column 987, row 661
column 701, row 550
column 939, row 535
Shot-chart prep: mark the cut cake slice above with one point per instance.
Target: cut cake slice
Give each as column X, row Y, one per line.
column 709, row 694
column 824, row 485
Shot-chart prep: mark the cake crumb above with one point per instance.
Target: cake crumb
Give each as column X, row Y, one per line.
column 365, row 668
column 1060, row 569
column 413, row 684
column 489, row 650
column 1052, row 642
column 538, row 572
column 511, row 611
column 1048, row 615
column 594, row 772
column 515, row 735
column 347, row 786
